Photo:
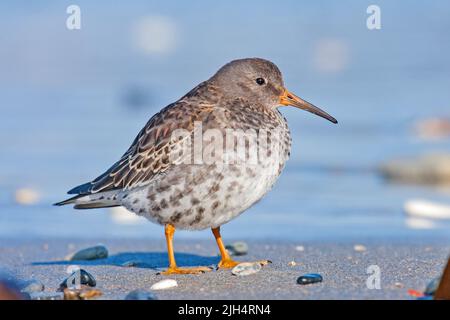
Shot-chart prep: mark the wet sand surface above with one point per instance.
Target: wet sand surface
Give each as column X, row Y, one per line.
column 402, row 266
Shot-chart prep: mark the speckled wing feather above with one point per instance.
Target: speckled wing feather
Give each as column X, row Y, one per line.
column 149, row 153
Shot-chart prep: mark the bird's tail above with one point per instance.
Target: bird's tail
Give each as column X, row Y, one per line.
column 92, row 201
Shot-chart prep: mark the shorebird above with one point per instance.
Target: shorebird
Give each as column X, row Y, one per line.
column 164, row 177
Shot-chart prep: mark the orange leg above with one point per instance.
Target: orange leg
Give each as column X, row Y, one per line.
column 173, row 269
column 226, row 261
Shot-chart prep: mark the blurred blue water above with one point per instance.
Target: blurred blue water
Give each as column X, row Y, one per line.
column 65, row 118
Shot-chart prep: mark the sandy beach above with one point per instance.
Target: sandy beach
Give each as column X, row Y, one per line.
column 403, row 266
column 366, row 199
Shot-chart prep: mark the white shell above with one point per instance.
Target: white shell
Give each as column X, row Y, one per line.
column 246, row 268
column 164, row 284
column 359, row 248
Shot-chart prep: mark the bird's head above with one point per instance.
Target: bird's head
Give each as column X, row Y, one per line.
column 261, row 81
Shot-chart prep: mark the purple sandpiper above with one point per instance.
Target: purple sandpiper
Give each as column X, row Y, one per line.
column 171, row 179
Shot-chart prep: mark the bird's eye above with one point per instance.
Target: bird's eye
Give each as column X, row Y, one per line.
column 260, row 81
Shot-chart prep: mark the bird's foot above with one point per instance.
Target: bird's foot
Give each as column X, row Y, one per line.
column 177, row 270
column 230, row 263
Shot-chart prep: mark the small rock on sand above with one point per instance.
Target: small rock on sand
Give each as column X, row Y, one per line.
column 141, row 295
column 246, row 268
column 239, row 248
column 309, row 278
column 359, row 248
column 164, row 284
column 135, row 264
column 81, row 277
column 92, row 253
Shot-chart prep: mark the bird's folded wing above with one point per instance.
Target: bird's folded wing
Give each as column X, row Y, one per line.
column 149, row 154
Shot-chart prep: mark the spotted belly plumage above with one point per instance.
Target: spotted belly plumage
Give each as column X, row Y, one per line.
column 200, row 196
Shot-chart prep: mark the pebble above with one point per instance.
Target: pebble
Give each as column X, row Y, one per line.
column 130, row 263
column 237, row 248
column 309, row 278
column 135, row 264
column 92, row 253
column 246, row 268
column 85, row 279
column 398, row 285
column 359, row 248
column 32, row 286
column 432, row 286
column 164, row 284
column 85, row 293
column 27, row 196
column 47, row 296
column 141, row 295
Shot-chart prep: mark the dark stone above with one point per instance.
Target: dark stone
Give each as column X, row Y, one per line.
column 309, row 278
column 141, row 295
column 92, row 253
column 136, row 264
column 237, row 248
column 85, row 278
